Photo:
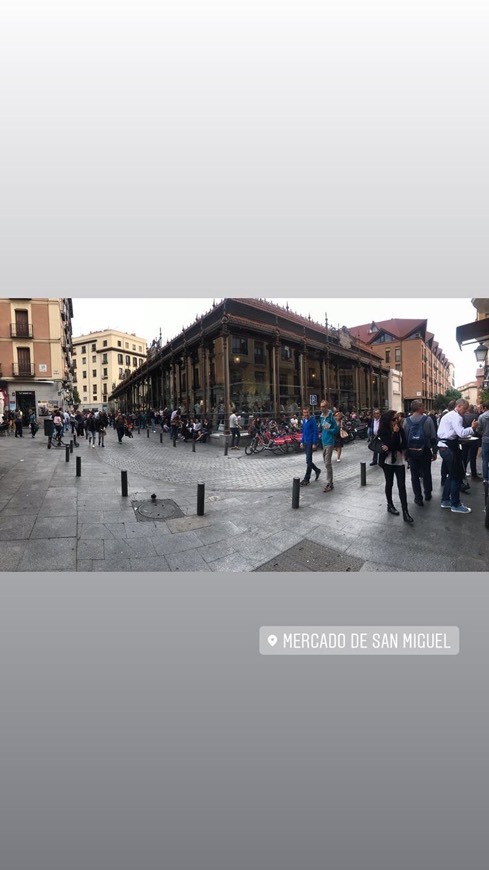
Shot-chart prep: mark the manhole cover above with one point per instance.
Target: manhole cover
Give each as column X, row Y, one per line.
column 157, row 509
column 309, row 556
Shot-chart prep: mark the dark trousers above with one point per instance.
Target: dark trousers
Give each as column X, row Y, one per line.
column 455, row 473
column 420, row 466
column 469, row 454
column 235, row 436
column 18, row 429
column 399, row 472
column 310, row 467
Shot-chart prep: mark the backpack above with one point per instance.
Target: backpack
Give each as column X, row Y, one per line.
column 416, row 439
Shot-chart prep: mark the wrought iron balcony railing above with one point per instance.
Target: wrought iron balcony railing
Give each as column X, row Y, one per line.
column 22, row 371
column 21, row 330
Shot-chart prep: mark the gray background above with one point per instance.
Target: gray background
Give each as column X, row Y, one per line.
column 140, row 726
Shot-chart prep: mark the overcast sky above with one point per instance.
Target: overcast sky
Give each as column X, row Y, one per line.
column 145, row 317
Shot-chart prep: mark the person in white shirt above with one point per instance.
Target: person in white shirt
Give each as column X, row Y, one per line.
column 234, row 429
column 450, row 430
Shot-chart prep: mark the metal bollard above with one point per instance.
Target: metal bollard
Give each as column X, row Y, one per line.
column 200, row 499
column 296, row 489
column 71, row 445
column 226, row 446
column 67, row 453
column 193, row 445
column 147, row 432
column 139, row 430
column 363, row 474
column 78, row 466
column 124, row 483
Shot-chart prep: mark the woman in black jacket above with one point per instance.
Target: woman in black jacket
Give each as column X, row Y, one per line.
column 393, row 462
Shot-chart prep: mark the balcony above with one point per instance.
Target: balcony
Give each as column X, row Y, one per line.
column 21, row 330
column 23, row 371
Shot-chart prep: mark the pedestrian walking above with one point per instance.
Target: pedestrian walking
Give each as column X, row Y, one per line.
column 235, row 433
column 421, row 450
column 309, row 441
column 18, row 424
column 392, row 460
column 373, row 430
column 328, row 427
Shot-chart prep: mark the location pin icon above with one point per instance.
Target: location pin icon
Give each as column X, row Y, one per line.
column 272, row 639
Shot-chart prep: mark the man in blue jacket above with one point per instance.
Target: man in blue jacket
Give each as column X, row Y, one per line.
column 309, row 442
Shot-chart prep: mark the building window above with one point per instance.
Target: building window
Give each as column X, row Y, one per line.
column 286, row 352
column 84, row 348
column 94, row 347
column 141, row 362
column 104, row 343
column 259, row 352
column 84, row 388
column 397, row 353
column 387, row 356
column 119, row 344
column 239, row 345
column 104, row 359
column 260, row 378
column 311, row 376
column 134, row 347
column 140, row 348
column 106, row 373
column 84, row 360
column 94, row 358
column 134, row 361
column 126, row 344
column 121, row 374
column 128, row 360
column 84, row 374
column 94, row 373
column 120, row 359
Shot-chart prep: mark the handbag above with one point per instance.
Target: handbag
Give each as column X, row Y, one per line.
column 375, row 445
column 343, row 434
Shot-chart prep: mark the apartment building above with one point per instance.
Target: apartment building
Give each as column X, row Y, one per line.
column 35, row 354
column 101, row 360
column 408, row 346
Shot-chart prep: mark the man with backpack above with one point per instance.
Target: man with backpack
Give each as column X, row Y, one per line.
column 421, row 450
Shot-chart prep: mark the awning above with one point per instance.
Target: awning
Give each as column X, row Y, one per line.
column 477, row 330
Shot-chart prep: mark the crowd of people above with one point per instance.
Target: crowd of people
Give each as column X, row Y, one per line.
column 399, row 442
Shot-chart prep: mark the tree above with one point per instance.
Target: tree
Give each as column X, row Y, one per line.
column 484, row 396
column 441, row 400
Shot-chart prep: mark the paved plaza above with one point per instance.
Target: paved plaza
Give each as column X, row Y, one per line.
column 52, row 520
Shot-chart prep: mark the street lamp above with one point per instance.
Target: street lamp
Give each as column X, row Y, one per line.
column 480, row 353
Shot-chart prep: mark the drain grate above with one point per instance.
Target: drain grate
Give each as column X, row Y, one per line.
column 158, row 509
column 309, row 556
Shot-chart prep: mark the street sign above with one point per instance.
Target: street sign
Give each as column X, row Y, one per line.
column 313, row 400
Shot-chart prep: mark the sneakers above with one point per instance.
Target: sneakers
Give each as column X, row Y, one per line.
column 338, row 460
column 446, row 504
column 461, row 509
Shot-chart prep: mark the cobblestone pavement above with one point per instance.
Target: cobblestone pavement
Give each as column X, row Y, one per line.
column 52, row 520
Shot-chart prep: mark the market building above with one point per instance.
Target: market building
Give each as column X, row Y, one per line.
column 408, row 346
column 35, row 355
column 101, row 359
column 256, row 357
